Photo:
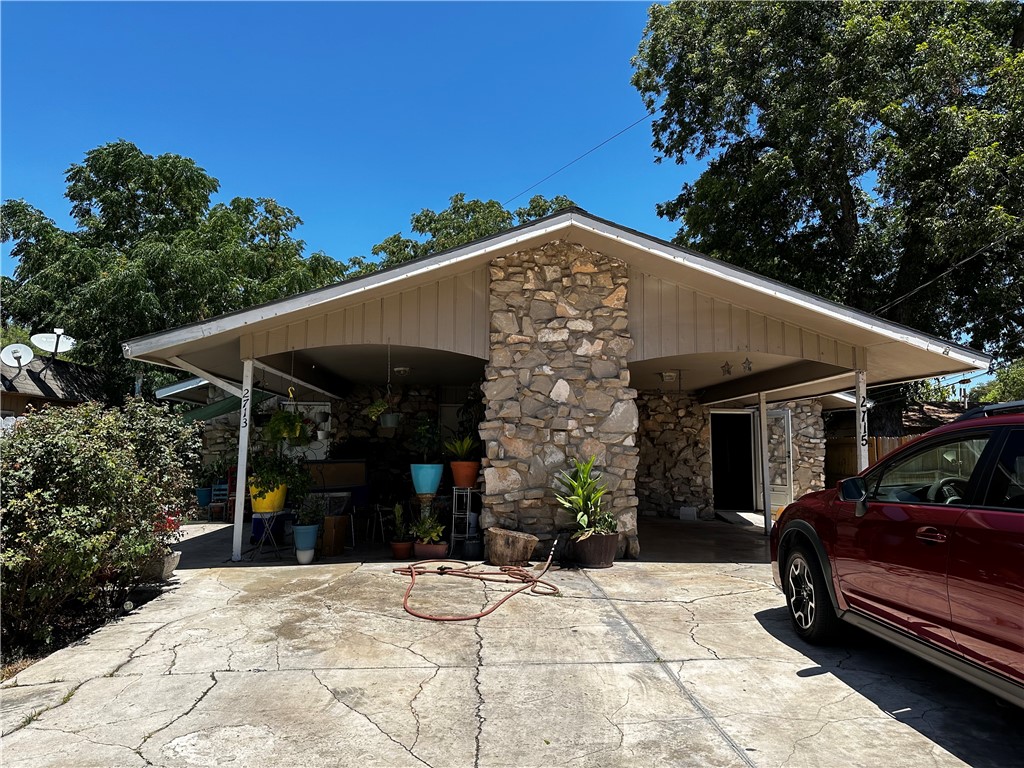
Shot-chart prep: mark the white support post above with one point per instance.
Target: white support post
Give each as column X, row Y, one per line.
column 766, row 483
column 245, row 418
column 861, row 392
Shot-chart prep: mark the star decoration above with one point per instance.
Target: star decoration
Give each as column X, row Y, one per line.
column 726, row 369
column 747, row 366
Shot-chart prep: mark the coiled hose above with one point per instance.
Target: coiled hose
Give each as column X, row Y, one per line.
column 506, row 574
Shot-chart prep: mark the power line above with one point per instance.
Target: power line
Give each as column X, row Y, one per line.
column 592, row 149
column 939, row 276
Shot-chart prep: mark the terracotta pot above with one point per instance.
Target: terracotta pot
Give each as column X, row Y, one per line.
column 595, row 551
column 401, row 550
column 430, row 551
column 464, row 473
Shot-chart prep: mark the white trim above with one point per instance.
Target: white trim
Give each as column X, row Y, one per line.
column 861, row 393
column 182, row 386
column 766, row 484
column 215, row 380
column 245, row 416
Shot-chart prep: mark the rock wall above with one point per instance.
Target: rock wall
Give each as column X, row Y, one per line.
column 675, row 455
column 557, row 388
column 808, row 454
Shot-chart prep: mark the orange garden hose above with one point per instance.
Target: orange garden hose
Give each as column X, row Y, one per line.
column 506, row 574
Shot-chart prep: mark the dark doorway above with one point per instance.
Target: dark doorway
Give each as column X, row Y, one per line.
column 732, row 460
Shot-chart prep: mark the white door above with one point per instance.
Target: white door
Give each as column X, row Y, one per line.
column 780, row 457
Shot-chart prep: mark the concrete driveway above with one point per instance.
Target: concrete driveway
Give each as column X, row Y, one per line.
column 646, row 663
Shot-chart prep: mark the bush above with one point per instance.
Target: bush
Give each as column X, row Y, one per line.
column 89, row 495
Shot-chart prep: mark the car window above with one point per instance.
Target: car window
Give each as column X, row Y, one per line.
column 938, row 473
column 1007, row 487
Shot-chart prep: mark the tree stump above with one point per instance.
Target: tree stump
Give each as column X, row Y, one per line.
column 506, row 547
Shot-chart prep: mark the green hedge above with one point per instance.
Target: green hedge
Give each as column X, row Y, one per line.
column 89, row 495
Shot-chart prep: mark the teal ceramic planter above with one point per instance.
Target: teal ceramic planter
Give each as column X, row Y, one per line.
column 305, row 536
column 426, row 477
column 204, row 496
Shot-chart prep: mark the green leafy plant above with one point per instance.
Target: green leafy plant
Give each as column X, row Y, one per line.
column 90, row 495
column 425, row 439
column 462, row 448
column 428, row 529
column 312, row 510
column 401, row 525
column 270, row 468
column 284, row 424
column 376, row 409
column 583, row 495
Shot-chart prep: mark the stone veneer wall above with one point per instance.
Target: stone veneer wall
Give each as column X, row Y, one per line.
column 675, row 455
column 808, row 446
column 557, row 387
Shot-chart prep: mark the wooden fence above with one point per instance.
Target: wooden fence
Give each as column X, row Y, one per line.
column 841, row 455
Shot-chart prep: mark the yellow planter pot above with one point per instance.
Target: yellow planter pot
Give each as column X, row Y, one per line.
column 272, row 502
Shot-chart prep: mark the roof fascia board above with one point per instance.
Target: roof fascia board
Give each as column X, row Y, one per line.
column 146, row 345
column 763, row 285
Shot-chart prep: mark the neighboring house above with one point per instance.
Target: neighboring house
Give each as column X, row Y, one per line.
column 41, row 383
column 695, row 383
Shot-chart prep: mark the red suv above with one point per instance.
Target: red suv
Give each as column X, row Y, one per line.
column 925, row 549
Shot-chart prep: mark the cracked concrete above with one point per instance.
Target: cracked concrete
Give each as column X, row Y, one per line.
column 664, row 662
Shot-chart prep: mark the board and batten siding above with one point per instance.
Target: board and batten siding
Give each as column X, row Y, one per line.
column 667, row 319
column 450, row 314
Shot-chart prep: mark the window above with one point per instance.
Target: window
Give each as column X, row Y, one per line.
column 1007, row 486
column 936, row 474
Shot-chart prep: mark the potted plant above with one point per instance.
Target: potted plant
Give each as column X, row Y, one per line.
column 379, row 411
column 163, row 560
column 426, row 477
column 284, row 424
column 428, row 531
column 464, row 467
column 596, row 540
column 401, row 538
column 307, row 527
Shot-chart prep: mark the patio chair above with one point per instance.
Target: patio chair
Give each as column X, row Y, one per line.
column 219, row 502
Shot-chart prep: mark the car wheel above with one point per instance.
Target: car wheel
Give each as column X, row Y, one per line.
column 810, row 607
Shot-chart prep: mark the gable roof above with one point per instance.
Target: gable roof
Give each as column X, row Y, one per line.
column 900, row 353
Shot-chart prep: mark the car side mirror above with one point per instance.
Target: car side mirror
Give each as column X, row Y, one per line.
column 856, row 490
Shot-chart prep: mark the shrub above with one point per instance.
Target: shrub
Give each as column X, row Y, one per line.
column 90, row 494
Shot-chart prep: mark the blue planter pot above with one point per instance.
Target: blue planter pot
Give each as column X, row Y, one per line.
column 426, row 477
column 204, row 496
column 305, row 536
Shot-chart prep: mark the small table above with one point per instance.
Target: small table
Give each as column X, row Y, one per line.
column 268, row 518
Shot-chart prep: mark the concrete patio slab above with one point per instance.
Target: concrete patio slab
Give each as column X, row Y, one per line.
column 647, row 663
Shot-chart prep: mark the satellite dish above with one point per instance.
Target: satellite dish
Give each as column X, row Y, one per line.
column 17, row 355
column 54, row 343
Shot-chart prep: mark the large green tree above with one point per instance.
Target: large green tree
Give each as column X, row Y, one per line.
column 148, row 253
column 870, row 152
column 461, row 222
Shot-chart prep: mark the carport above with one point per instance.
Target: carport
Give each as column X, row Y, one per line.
column 591, row 339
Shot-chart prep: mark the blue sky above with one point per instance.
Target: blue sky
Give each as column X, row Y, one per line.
column 355, row 115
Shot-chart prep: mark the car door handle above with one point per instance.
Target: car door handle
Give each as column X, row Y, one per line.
column 933, row 535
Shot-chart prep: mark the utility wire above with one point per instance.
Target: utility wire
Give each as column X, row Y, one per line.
column 940, row 275
column 592, row 149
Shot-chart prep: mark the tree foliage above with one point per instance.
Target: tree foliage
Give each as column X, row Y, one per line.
column 870, row 152
column 1007, row 386
column 461, row 222
column 149, row 253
